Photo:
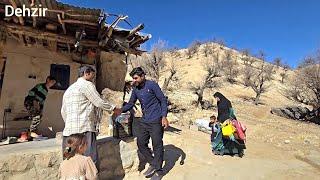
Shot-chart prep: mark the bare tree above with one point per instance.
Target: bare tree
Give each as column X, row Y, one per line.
column 305, row 85
column 153, row 62
column 245, row 52
column 193, row 48
column 231, row 68
column 173, row 71
column 296, row 91
column 247, row 70
column 247, row 73
column 261, row 55
column 213, row 70
column 284, row 73
column 174, row 52
column 246, row 57
column 260, row 76
column 215, row 65
column 278, row 62
column 221, row 42
column 208, row 49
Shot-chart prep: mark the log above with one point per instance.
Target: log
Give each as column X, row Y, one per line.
column 29, row 31
column 34, row 22
column 52, row 45
column 136, row 29
column 63, row 13
column 139, row 41
column 14, row 5
column 69, row 21
column 62, row 24
column 51, row 27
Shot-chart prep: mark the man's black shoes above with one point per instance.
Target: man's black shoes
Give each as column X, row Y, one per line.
column 157, row 175
column 149, row 172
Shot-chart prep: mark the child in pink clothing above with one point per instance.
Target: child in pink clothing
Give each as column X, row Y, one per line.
column 76, row 166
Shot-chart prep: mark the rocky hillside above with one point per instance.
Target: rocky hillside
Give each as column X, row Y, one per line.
column 190, row 71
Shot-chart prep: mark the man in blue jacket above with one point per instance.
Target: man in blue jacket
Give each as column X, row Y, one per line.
column 154, row 119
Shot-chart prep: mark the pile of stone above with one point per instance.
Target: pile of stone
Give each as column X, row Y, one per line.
column 298, row 113
column 114, row 97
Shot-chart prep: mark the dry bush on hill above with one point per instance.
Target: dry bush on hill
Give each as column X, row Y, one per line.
column 305, row 84
column 230, row 67
column 213, row 67
column 284, row 72
column 261, row 74
column 173, row 71
column 208, row 49
column 193, row 49
column 151, row 63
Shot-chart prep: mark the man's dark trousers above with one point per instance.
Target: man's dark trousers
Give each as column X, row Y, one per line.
column 155, row 131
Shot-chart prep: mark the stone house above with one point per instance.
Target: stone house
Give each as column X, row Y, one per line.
column 58, row 44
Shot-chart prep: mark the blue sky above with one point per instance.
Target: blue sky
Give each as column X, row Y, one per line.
column 289, row 29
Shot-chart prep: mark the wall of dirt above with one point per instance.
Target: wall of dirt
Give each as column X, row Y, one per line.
column 23, row 61
column 111, row 72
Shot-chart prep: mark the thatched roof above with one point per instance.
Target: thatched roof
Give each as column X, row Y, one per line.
column 63, row 25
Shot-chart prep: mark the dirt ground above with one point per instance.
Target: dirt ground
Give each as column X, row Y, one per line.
column 277, row 148
column 268, row 156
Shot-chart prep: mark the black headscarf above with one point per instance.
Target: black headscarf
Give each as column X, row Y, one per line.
column 224, row 106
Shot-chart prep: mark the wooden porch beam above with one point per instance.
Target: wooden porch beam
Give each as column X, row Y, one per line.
column 14, row 5
column 29, row 31
column 62, row 24
column 52, row 45
column 69, row 21
column 136, row 29
column 34, row 22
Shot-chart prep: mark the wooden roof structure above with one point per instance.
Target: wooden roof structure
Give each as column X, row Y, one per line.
column 68, row 28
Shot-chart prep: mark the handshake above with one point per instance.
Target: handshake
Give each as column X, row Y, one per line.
column 120, row 117
column 117, row 111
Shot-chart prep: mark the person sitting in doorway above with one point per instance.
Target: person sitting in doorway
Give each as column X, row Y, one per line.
column 34, row 103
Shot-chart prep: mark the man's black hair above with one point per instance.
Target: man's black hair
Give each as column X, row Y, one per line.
column 51, row 78
column 85, row 69
column 137, row 71
column 213, row 117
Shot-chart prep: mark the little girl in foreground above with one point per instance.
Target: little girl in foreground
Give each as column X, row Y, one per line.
column 76, row 166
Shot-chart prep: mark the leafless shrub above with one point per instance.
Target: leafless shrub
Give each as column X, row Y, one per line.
column 221, row 42
column 260, row 76
column 231, row 68
column 193, row 49
column 284, row 73
column 261, row 55
column 305, row 85
column 173, row 71
column 246, row 57
column 247, row 72
column 152, row 62
column 277, row 62
column 208, row 49
column 174, row 52
column 213, row 71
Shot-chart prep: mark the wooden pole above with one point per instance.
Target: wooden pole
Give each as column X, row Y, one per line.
column 14, row 5
column 29, row 31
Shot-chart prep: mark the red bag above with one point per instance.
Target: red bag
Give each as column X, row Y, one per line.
column 240, row 129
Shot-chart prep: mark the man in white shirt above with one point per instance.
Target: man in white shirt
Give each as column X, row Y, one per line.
column 78, row 113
